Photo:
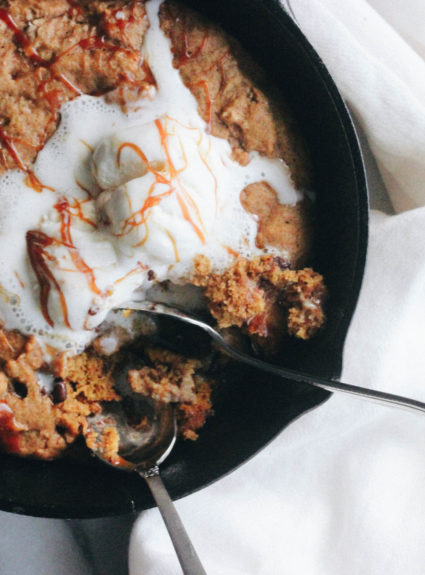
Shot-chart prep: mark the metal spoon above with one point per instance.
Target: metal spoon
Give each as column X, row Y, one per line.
column 298, row 376
column 142, row 448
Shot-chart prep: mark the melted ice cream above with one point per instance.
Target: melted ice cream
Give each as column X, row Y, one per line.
column 126, row 194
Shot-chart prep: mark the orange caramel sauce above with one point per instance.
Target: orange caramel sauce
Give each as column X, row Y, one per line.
column 231, row 251
column 186, row 203
column 140, row 268
column 174, row 244
column 46, row 73
column 18, row 277
column 65, row 213
column 183, row 197
column 31, row 181
column 37, row 244
column 9, row 438
column 21, row 38
column 41, row 259
column 188, row 53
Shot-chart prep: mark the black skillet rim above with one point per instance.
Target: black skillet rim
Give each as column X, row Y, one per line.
column 314, row 397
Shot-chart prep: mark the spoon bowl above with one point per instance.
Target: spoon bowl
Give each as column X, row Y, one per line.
column 141, row 446
column 161, row 309
column 145, row 432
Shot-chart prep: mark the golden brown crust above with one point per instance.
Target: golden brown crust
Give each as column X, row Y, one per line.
column 91, row 374
column 226, row 83
column 52, row 51
column 11, row 344
column 43, row 424
column 283, row 226
column 192, row 416
column 107, row 442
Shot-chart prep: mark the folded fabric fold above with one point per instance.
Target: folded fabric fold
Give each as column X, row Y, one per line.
column 383, row 80
column 340, row 491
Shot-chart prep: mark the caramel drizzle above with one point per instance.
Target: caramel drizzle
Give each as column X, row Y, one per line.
column 186, row 56
column 113, row 22
column 88, row 146
column 24, row 42
column 174, row 244
column 209, row 101
column 9, row 429
column 55, row 97
column 87, row 191
column 185, row 200
column 18, row 277
column 214, row 177
column 37, row 246
column 231, row 251
column 10, row 145
column 21, row 38
column 140, row 268
column 31, row 179
column 76, row 210
column 65, row 213
column 37, row 242
column 140, row 216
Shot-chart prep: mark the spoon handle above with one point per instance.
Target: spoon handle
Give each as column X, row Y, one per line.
column 291, row 374
column 373, row 395
column 186, row 553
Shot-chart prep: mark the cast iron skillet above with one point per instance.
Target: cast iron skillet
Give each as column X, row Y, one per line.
column 252, row 407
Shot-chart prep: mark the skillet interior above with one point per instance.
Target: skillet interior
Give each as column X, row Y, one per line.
column 252, row 408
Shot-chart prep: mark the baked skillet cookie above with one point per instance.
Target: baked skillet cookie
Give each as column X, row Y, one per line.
column 140, row 154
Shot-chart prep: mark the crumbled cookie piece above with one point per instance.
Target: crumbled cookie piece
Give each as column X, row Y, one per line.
column 266, row 298
column 234, row 296
column 42, row 424
column 304, row 296
column 24, row 367
column 91, row 375
column 174, row 378
column 107, row 442
column 40, row 428
column 169, row 378
column 192, row 416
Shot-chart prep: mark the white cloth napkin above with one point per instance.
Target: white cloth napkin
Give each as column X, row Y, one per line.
column 341, row 491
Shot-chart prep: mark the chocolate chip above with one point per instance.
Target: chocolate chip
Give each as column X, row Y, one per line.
column 264, row 284
column 151, row 275
column 61, row 429
column 93, row 310
column 282, row 263
column 19, row 388
column 104, row 218
column 58, row 393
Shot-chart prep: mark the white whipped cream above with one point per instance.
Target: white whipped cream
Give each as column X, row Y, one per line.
column 131, row 194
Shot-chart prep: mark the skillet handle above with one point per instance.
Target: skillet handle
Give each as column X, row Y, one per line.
column 188, row 558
